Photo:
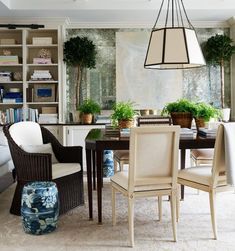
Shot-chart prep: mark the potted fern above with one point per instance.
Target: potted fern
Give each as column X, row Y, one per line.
column 88, row 108
column 123, row 114
column 203, row 113
column 181, row 112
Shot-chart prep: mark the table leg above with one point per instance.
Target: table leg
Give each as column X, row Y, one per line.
column 99, row 157
column 182, row 166
column 89, row 183
column 94, row 169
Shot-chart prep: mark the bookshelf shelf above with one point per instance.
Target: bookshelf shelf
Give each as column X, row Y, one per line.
column 42, row 46
column 11, row 45
column 42, row 65
column 43, row 81
column 11, row 65
column 42, row 103
column 7, row 104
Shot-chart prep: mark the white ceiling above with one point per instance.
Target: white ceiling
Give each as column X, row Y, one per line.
column 114, row 11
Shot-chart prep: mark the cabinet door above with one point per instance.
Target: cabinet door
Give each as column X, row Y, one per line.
column 75, row 136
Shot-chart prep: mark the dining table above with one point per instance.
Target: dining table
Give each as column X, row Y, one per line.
column 98, row 140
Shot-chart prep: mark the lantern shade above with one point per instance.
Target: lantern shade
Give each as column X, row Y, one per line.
column 173, row 48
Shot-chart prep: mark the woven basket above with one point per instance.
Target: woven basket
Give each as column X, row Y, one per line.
column 184, row 119
column 125, row 123
column 200, row 122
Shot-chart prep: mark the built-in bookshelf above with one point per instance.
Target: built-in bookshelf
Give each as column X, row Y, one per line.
column 29, row 74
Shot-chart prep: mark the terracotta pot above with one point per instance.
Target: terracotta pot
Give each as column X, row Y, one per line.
column 184, row 119
column 200, row 122
column 125, row 123
column 86, row 118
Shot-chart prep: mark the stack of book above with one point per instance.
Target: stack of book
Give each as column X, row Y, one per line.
column 125, row 132
column 207, row 132
column 13, row 97
column 111, row 131
column 186, row 133
column 9, row 60
column 49, row 118
column 41, row 75
column 102, row 119
column 5, row 76
column 31, row 114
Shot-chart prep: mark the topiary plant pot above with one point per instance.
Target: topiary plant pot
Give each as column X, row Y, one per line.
column 125, row 123
column 184, row 119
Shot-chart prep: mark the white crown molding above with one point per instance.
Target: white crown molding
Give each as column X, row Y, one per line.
column 47, row 21
column 197, row 24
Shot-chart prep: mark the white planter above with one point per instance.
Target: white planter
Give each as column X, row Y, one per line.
column 226, row 114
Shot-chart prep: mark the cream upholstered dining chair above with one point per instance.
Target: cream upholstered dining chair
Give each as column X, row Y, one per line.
column 152, row 170
column 211, row 179
column 121, row 157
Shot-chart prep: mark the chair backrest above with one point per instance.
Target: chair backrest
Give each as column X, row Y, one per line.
column 26, row 133
column 153, row 156
column 153, row 120
column 223, row 162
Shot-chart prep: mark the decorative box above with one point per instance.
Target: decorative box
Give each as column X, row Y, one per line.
column 42, row 61
column 42, row 40
column 7, row 41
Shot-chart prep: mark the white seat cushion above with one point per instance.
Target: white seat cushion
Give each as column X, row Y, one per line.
column 200, row 174
column 64, row 169
column 44, row 148
column 121, row 179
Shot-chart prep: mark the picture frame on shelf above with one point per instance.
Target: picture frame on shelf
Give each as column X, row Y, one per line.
column 44, row 93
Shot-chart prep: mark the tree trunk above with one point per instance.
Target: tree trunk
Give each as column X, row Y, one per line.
column 222, row 82
column 78, row 84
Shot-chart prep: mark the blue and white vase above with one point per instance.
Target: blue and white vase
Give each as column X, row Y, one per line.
column 39, row 207
column 108, row 166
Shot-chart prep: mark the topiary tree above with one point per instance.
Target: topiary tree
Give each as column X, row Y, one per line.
column 218, row 49
column 79, row 52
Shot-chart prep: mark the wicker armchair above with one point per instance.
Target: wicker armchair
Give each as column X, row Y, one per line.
column 38, row 167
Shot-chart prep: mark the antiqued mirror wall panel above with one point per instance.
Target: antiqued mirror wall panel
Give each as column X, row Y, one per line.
column 120, row 76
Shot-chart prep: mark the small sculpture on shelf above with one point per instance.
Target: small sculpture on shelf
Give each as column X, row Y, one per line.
column 17, row 76
column 6, row 52
column 44, row 57
column 44, row 53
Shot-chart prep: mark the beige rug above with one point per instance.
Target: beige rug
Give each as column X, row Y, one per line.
column 75, row 232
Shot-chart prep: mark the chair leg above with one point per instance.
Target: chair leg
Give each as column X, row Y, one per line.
column 115, row 166
column 173, row 211
column 121, row 165
column 178, row 204
column 114, row 206
column 160, row 207
column 212, row 196
column 131, row 220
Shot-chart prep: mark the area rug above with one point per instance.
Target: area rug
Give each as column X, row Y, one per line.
column 76, row 232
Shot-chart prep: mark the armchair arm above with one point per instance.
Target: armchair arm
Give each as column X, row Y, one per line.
column 33, row 166
column 64, row 154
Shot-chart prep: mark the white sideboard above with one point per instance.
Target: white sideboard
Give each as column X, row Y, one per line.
column 74, row 135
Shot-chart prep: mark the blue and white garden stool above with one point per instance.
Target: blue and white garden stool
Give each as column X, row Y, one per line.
column 39, row 207
column 108, row 165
